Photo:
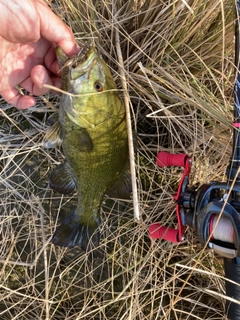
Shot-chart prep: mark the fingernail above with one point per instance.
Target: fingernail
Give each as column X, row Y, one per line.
column 75, row 49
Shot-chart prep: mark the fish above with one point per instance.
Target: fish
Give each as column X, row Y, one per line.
column 93, row 132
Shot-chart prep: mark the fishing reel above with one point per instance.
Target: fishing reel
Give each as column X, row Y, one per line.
column 212, row 211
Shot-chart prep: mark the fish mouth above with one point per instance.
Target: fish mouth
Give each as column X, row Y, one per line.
column 81, row 63
column 85, row 51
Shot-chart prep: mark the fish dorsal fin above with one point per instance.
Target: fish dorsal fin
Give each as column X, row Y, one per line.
column 122, row 187
column 61, row 179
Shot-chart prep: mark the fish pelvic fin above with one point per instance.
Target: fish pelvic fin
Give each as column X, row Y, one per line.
column 73, row 233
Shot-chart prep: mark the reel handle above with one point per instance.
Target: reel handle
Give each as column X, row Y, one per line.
column 157, row 231
column 166, row 159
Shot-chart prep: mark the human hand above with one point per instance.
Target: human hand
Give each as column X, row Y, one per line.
column 29, row 33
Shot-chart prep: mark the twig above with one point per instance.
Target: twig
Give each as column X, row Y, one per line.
column 128, row 118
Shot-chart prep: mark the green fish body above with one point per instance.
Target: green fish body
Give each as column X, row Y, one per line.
column 94, row 141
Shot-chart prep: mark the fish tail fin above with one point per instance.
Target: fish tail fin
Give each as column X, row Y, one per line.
column 73, row 233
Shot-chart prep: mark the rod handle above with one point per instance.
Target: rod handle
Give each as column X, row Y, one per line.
column 232, row 272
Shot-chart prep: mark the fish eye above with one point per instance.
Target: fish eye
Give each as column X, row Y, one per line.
column 98, row 86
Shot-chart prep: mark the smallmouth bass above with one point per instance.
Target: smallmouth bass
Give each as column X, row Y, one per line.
column 94, row 140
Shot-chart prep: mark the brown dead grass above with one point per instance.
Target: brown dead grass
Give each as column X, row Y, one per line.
column 178, row 64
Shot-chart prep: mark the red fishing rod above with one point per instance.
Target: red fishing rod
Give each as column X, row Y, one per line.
column 213, row 210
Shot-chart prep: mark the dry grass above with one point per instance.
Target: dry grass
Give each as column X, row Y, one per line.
column 178, row 64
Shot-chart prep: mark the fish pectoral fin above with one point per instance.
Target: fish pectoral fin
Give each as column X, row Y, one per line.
column 73, row 233
column 80, row 139
column 85, row 141
column 122, row 187
column 61, row 179
column 52, row 137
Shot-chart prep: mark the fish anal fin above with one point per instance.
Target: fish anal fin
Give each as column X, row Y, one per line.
column 61, row 179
